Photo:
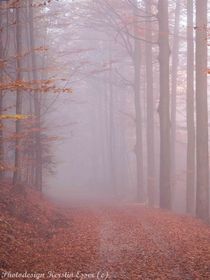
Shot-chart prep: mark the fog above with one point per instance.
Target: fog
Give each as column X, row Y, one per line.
column 104, row 141
column 108, row 53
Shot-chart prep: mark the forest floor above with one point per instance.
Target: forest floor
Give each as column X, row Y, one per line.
column 126, row 241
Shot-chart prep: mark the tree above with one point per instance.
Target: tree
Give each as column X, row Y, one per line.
column 202, row 155
column 164, row 114
column 1, row 105
column 138, row 108
column 150, row 109
column 174, row 70
column 111, row 129
column 37, row 104
column 16, row 175
column 190, row 179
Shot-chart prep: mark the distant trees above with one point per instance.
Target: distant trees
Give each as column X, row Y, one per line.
column 202, row 152
column 111, row 123
column 130, row 27
column 23, row 152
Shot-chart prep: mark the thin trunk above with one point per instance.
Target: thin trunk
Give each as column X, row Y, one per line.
column 111, row 126
column 31, row 152
column 164, row 112
column 190, row 194
column 150, row 111
column 202, row 155
column 37, row 105
column 16, row 175
column 175, row 63
column 138, row 111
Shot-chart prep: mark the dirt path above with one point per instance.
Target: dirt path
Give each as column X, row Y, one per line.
column 137, row 243
column 124, row 242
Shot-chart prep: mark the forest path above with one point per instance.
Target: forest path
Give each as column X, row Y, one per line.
column 140, row 243
column 115, row 241
column 99, row 241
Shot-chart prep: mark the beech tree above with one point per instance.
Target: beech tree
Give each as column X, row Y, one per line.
column 138, row 107
column 174, row 70
column 151, row 180
column 190, row 179
column 164, row 112
column 19, row 42
column 25, row 93
column 1, row 104
column 37, row 103
column 202, row 152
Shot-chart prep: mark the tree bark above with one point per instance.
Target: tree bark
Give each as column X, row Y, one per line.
column 202, row 191
column 138, row 111
column 111, row 131
column 190, row 180
column 16, row 175
column 150, row 110
column 164, row 112
column 174, row 70
column 37, row 106
column 1, row 110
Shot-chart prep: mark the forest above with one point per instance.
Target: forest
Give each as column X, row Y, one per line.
column 104, row 142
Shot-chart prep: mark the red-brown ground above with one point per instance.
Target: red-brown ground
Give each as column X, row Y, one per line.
column 108, row 242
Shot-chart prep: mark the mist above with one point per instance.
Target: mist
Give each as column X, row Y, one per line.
column 104, row 119
column 110, row 58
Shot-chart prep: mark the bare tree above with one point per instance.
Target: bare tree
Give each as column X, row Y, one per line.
column 164, row 114
column 202, row 156
column 174, row 70
column 110, row 111
column 16, row 175
column 150, row 109
column 1, row 106
column 138, row 108
column 190, row 180
column 37, row 105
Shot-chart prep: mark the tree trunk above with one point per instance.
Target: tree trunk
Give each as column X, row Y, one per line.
column 1, row 110
column 138, row 111
column 190, row 193
column 175, row 63
column 150, row 110
column 111, row 125
column 202, row 192
column 16, row 175
column 37, row 105
column 1, row 132
column 164, row 114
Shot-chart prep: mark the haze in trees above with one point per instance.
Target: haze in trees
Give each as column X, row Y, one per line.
column 104, row 156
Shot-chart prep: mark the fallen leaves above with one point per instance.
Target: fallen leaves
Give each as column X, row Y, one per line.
column 127, row 242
